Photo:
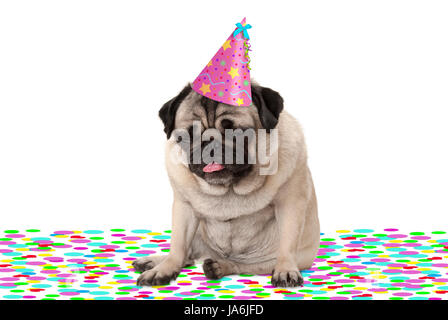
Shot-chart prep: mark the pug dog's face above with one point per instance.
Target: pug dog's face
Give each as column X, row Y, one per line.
column 210, row 133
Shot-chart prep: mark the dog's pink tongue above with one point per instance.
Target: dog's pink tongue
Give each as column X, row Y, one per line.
column 212, row 167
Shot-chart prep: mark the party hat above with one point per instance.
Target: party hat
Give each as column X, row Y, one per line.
column 226, row 78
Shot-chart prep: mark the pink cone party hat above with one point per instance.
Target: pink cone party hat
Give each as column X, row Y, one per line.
column 226, row 78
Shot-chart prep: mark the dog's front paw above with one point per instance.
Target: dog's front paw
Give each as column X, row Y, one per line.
column 157, row 277
column 146, row 263
column 286, row 278
column 212, row 269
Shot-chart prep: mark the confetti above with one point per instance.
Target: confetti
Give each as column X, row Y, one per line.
column 97, row 265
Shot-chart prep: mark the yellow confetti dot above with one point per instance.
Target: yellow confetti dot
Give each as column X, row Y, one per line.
column 342, row 231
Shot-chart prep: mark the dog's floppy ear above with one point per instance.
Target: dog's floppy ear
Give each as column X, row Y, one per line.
column 269, row 104
column 168, row 111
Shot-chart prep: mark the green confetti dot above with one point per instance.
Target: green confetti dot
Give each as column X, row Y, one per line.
column 220, row 93
column 58, row 244
column 417, row 233
column 380, row 235
column 223, row 62
column 11, row 231
column 33, row 230
column 324, row 268
column 117, row 230
column 246, row 83
column 197, row 291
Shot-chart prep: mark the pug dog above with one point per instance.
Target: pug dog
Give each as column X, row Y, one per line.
column 233, row 217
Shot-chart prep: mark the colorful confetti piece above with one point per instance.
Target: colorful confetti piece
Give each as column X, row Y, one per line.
column 96, row 265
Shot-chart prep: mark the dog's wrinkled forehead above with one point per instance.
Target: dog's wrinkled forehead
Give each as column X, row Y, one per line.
column 212, row 114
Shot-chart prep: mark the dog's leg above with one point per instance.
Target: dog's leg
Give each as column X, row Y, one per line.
column 218, row 268
column 290, row 213
column 184, row 228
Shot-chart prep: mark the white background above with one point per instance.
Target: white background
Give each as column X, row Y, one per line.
column 81, row 83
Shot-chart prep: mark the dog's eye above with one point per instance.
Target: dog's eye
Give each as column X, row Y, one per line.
column 226, row 124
